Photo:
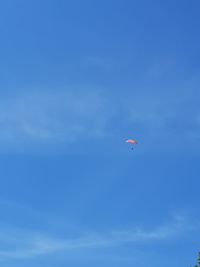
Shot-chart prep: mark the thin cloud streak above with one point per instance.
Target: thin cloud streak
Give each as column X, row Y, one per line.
column 34, row 244
column 65, row 117
column 52, row 117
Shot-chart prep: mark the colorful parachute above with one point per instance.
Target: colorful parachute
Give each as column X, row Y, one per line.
column 132, row 141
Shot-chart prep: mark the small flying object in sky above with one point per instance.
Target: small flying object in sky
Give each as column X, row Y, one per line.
column 132, row 142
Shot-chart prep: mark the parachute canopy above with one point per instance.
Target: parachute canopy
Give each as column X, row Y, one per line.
column 132, row 141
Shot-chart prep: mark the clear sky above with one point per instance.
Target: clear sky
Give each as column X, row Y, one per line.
column 78, row 78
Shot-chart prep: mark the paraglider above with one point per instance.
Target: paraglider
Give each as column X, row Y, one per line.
column 132, row 142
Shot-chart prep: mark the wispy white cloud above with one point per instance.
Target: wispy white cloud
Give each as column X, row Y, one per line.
column 30, row 244
column 52, row 116
column 64, row 116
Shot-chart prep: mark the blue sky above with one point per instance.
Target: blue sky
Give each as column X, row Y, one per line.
column 78, row 78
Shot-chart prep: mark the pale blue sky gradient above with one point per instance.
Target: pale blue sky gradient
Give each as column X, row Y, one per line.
column 78, row 78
